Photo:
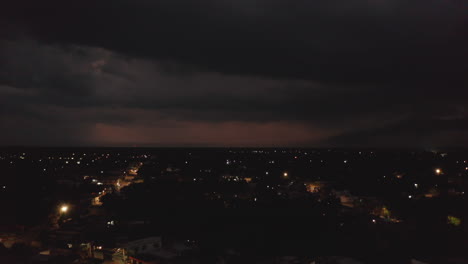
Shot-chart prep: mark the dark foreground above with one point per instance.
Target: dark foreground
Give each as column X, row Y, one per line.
column 88, row 205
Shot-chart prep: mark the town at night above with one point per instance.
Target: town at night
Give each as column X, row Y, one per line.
column 137, row 205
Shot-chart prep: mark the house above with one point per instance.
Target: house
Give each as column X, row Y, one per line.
column 144, row 246
column 346, row 198
column 150, row 250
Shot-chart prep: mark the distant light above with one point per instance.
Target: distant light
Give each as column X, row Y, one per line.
column 64, row 209
column 410, row 196
column 345, row 161
column 373, row 221
column 438, row 171
column 285, row 174
column 452, row 220
column 416, row 185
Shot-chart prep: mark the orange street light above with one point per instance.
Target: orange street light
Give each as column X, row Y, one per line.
column 64, row 209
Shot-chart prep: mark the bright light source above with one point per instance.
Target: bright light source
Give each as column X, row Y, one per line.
column 285, row 174
column 416, row 185
column 64, row 209
column 373, row 221
column 410, row 196
column 438, row 171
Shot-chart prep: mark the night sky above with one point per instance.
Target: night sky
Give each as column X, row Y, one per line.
column 234, row 73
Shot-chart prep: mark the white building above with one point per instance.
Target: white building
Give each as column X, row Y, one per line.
column 148, row 245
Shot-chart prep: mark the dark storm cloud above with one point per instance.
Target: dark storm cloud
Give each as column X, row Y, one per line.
column 46, row 70
column 110, row 80
column 425, row 133
column 357, row 40
column 340, row 69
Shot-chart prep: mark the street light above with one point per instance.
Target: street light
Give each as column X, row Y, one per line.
column 64, row 209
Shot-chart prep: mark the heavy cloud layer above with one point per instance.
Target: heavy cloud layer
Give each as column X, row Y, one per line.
column 235, row 73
